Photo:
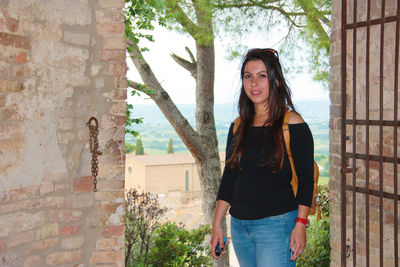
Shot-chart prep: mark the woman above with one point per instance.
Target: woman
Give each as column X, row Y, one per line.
column 268, row 223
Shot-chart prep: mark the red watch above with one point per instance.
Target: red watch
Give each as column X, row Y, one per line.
column 306, row 222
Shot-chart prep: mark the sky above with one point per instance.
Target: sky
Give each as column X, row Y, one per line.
column 180, row 85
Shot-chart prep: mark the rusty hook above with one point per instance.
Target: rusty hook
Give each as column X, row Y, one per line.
column 89, row 123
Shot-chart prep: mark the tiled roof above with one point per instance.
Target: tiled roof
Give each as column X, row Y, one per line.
column 168, row 159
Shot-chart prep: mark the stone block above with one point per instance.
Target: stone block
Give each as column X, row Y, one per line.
column 55, row 176
column 111, row 197
column 110, row 170
column 64, row 215
column 113, row 54
column 2, row 245
column 14, row 40
column 95, row 69
column 46, row 188
column 77, row 38
column 119, row 94
column 121, row 82
column 113, row 230
column 110, row 29
column 21, row 238
column 109, row 121
column 117, row 68
column 110, row 185
column 106, row 16
column 72, row 242
column 64, row 257
column 12, row 24
column 119, row 4
column 21, row 57
column 99, row 83
column 118, row 108
column 20, row 205
column 65, row 137
column 66, row 123
column 3, row 100
column 7, row 86
column 83, row 200
column 20, row 72
column 49, row 230
column 71, row 229
column 107, row 256
column 32, row 261
column 1, row 24
column 24, row 193
column 109, row 243
column 83, row 184
column 54, row 201
column 117, row 42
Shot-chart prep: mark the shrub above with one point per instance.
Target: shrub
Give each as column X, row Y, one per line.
column 178, row 247
column 142, row 215
column 317, row 251
column 323, row 193
column 150, row 244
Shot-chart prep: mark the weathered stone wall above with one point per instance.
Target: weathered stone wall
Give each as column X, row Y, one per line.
column 358, row 97
column 61, row 62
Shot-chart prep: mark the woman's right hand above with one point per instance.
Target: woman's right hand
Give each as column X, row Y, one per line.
column 217, row 237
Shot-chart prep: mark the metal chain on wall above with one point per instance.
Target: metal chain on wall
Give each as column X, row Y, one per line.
column 94, row 145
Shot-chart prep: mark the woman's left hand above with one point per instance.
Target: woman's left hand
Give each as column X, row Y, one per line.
column 298, row 240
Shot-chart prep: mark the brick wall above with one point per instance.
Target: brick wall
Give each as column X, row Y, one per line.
column 359, row 139
column 61, row 62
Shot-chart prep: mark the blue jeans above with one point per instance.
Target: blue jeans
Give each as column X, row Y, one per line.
column 264, row 242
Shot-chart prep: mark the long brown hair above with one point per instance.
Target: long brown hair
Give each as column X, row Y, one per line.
column 279, row 100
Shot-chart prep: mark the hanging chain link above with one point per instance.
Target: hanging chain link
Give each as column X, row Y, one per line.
column 94, row 145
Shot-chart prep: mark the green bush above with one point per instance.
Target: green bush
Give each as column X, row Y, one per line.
column 323, row 193
column 150, row 244
column 177, row 247
column 317, row 251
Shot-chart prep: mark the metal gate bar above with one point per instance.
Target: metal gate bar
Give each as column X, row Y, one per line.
column 368, row 123
column 395, row 117
column 381, row 62
column 354, row 167
column 354, row 122
column 343, row 134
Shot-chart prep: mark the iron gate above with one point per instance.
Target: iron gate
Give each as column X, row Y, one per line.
column 369, row 146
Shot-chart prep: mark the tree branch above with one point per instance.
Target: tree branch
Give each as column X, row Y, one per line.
column 189, row 66
column 190, row 54
column 153, row 88
column 187, row 24
column 285, row 13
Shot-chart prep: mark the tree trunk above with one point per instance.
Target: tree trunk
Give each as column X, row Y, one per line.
column 208, row 161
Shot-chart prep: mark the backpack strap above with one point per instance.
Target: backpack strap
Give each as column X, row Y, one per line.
column 236, row 124
column 286, row 136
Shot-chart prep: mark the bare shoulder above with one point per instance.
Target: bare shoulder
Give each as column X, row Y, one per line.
column 295, row 118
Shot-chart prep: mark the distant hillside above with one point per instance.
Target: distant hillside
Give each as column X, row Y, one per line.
column 155, row 131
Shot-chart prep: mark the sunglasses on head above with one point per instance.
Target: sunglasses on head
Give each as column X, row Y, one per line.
column 273, row 51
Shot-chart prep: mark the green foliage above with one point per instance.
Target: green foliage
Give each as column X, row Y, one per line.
column 142, row 215
column 316, row 33
column 176, row 246
column 323, row 194
column 140, row 16
column 131, row 121
column 317, row 251
column 139, row 147
column 170, row 147
column 147, row 243
column 308, row 20
column 129, row 148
